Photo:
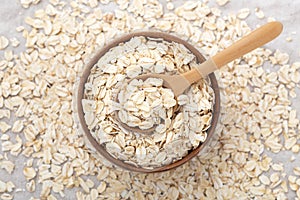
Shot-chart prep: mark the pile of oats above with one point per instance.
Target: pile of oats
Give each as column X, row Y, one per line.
column 146, row 104
column 257, row 116
column 111, row 87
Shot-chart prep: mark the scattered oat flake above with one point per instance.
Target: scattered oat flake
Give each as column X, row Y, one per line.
column 7, row 165
column 6, row 196
column 27, row 3
column 3, row 42
column 3, row 187
column 297, row 171
column 170, row 6
column 293, row 158
column 243, row 13
column 222, row 2
column 101, row 188
column 4, row 113
column 20, row 28
column 29, row 172
column 10, row 186
column 17, row 126
column 259, row 13
column 289, row 39
column 277, row 167
column 4, row 127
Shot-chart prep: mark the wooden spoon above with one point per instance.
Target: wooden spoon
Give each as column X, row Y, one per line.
column 179, row 83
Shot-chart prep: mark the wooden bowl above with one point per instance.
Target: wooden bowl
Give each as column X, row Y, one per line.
column 100, row 148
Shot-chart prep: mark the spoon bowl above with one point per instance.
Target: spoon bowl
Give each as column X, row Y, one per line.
column 168, row 82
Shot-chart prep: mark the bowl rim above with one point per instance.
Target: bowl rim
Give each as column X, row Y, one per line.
column 80, row 94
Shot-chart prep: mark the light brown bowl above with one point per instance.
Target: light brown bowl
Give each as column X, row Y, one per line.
column 100, row 148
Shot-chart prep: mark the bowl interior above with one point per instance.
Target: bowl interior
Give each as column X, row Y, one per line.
column 80, row 96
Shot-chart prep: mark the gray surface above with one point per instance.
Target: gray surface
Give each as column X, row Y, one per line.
column 288, row 12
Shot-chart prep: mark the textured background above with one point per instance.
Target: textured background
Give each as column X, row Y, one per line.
column 288, row 12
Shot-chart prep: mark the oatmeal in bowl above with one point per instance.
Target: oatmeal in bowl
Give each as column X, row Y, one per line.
column 181, row 125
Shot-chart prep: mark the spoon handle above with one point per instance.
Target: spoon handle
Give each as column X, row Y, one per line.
column 255, row 39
